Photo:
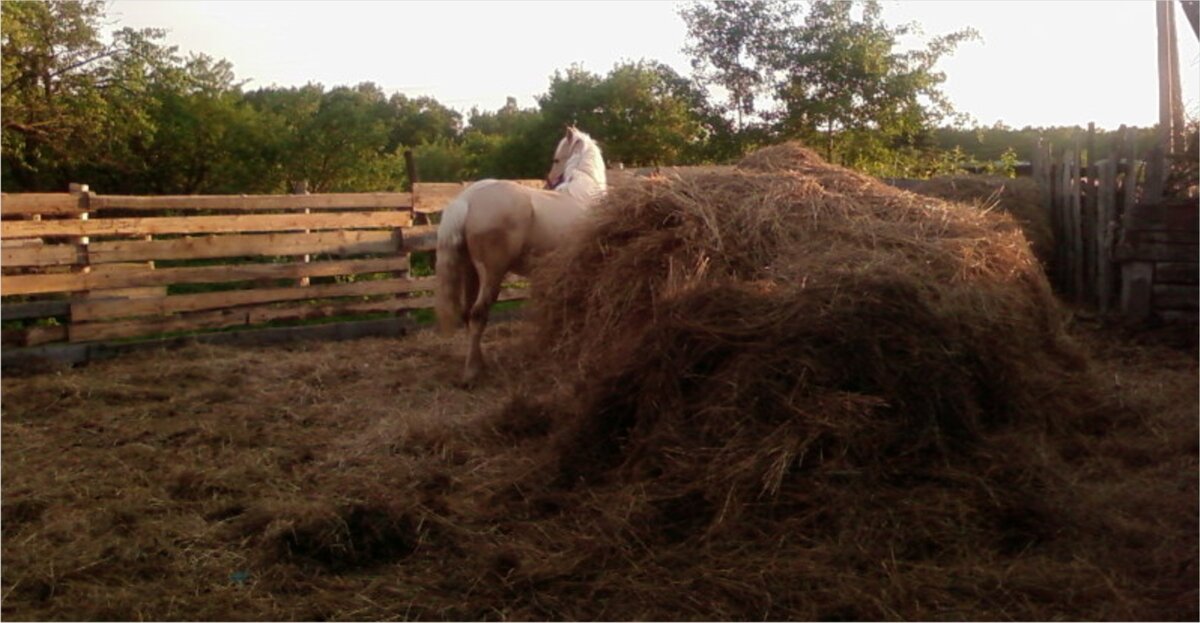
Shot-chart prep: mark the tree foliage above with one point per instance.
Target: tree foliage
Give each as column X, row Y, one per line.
column 127, row 113
column 833, row 76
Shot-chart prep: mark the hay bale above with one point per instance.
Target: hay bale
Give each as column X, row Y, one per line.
column 1020, row 197
column 717, row 335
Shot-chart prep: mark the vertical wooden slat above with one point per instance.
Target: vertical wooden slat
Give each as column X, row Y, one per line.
column 301, row 188
column 1132, row 168
column 1106, row 230
column 1076, row 211
column 1061, row 209
column 1156, row 171
column 1137, row 279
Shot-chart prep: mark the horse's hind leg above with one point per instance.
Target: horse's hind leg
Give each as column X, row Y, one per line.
column 489, row 280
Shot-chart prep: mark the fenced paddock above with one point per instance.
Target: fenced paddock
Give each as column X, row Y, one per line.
column 84, row 271
column 352, row 480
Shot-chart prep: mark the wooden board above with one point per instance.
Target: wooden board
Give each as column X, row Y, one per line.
column 1175, row 215
column 420, row 238
column 1157, row 252
column 40, row 203
column 252, row 315
column 1184, row 273
column 333, row 243
column 41, row 255
column 35, row 309
column 100, row 280
column 1176, row 297
column 99, row 310
column 34, row 336
column 431, row 197
column 252, row 202
column 38, row 356
column 232, row 223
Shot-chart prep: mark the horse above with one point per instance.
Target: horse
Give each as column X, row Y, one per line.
column 496, row 227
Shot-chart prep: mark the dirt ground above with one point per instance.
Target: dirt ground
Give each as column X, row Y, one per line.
column 280, row 483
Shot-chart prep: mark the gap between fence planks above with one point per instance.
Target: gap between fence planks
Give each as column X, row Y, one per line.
column 73, row 282
column 233, row 223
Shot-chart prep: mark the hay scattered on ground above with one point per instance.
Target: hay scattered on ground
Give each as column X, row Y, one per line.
column 783, row 394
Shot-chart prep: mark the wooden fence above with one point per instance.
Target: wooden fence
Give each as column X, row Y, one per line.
column 81, row 267
column 1119, row 246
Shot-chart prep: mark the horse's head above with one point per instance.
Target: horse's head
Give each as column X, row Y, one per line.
column 578, row 166
column 569, row 146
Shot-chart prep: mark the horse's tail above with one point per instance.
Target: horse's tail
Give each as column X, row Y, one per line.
column 452, row 262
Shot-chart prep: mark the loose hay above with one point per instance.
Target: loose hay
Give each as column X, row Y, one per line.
column 1021, row 198
column 786, row 394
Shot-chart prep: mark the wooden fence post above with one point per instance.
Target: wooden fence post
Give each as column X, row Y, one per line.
column 1061, row 211
column 80, row 191
column 1132, row 169
column 1077, row 225
column 1106, row 225
column 301, row 188
column 1156, row 173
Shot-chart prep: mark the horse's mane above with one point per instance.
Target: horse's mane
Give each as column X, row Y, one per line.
column 590, row 162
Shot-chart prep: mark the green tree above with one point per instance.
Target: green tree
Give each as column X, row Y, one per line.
column 69, row 100
column 836, row 76
column 643, row 113
column 420, row 120
column 508, row 143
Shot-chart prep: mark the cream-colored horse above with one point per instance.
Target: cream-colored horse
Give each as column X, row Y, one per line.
column 495, row 227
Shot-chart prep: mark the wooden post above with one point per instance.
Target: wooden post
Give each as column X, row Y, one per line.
column 1088, row 231
column 1076, row 211
column 81, row 191
column 1062, row 246
column 410, row 168
column 1156, row 173
column 1137, row 279
column 301, row 188
column 1178, row 130
column 1132, row 169
column 1106, row 226
column 1170, row 103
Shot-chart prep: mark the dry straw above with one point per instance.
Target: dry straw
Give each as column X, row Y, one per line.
column 781, row 392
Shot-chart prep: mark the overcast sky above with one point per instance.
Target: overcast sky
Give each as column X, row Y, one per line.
column 1040, row 63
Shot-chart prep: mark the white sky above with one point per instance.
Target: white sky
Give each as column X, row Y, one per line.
column 1040, row 63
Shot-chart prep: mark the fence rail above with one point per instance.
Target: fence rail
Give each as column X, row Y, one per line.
column 81, row 267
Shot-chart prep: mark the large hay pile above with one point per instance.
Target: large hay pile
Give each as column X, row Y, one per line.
column 1018, row 197
column 790, row 391
column 816, row 302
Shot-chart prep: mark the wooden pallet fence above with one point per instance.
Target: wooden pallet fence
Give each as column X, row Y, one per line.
column 81, row 267
column 1120, row 247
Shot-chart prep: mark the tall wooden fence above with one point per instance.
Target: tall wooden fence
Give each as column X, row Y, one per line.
column 1120, row 247
column 81, row 267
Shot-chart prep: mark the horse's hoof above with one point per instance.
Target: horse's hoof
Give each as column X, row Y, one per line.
column 469, row 380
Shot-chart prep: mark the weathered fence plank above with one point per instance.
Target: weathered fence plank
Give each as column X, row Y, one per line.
column 324, row 201
column 332, row 243
column 99, row 310
column 233, row 223
column 70, row 282
column 40, row 203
